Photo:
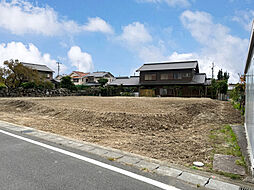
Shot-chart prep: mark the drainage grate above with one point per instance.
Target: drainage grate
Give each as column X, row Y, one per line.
column 27, row 131
column 245, row 188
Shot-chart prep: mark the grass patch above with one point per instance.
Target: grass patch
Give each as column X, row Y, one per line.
column 238, row 106
column 224, row 142
column 232, row 176
column 145, row 169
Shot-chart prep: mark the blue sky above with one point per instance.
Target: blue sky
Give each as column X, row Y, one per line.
column 120, row 35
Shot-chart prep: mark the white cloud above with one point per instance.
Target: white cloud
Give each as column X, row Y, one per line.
column 26, row 53
column 244, row 18
column 171, row 3
column 135, row 34
column 81, row 60
column 227, row 51
column 98, row 25
column 21, row 17
column 138, row 40
column 182, row 56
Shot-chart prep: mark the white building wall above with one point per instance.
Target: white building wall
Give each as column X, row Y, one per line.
column 249, row 108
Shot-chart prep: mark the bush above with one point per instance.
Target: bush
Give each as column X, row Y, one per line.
column 67, row 83
column 28, row 85
column 82, row 87
column 41, row 85
column 103, row 81
column 46, row 85
column 2, row 86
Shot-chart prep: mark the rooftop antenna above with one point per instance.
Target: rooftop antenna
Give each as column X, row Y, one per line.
column 58, row 67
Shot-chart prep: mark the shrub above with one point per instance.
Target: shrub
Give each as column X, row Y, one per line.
column 67, row 83
column 46, row 85
column 103, row 81
column 82, row 87
column 2, row 86
column 28, row 85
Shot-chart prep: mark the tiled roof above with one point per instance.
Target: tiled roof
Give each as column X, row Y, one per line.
column 37, row 67
column 125, row 81
column 99, row 74
column 79, row 73
column 199, row 78
column 169, row 66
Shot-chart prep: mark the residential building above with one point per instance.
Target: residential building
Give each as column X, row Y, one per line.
column 78, row 78
column 43, row 70
column 249, row 97
column 93, row 78
column 173, row 79
column 59, row 77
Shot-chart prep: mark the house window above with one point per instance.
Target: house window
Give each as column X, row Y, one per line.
column 186, row 74
column 166, row 76
column 75, row 80
column 177, row 75
column 150, row 76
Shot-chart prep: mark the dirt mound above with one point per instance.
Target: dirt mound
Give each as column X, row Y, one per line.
column 171, row 129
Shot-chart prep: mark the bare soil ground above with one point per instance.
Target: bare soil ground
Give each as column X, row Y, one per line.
column 169, row 129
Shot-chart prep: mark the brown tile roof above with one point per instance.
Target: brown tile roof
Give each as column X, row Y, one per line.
column 81, row 74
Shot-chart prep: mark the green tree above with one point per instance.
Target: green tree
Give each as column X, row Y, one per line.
column 220, row 75
column 14, row 73
column 222, row 86
column 103, row 81
column 226, row 76
column 67, row 83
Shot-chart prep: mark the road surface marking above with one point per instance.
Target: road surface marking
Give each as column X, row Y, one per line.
column 95, row 162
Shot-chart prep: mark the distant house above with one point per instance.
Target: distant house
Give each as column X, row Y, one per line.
column 231, row 86
column 59, row 77
column 93, row 78
column 132, row 81
column 173, row 79
column 79, row 78
column 43, row 70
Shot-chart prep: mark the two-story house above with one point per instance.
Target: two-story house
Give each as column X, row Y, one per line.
column 78, row 77
column 43, row 70
column 173, row 79
column 93, row 78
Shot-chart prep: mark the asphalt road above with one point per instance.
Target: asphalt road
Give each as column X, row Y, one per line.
column 27, row 166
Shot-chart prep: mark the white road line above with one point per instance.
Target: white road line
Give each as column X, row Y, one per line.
column 95, row 162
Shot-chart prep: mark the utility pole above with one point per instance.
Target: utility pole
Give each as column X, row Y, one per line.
column 212, row 70
column 58, row 68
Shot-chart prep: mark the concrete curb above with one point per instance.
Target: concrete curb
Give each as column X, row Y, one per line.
column 205, row 179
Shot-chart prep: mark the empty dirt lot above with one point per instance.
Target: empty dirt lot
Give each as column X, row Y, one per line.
column 170, row 129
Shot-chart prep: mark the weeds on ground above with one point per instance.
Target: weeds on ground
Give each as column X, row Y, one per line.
column 238, row 106
column 111, row 159
column 225, row 142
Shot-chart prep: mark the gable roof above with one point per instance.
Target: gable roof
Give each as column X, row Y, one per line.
column 169, row 66
column 99, row 74
column 125, row 81
column 79, row 73
column 37, row 67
